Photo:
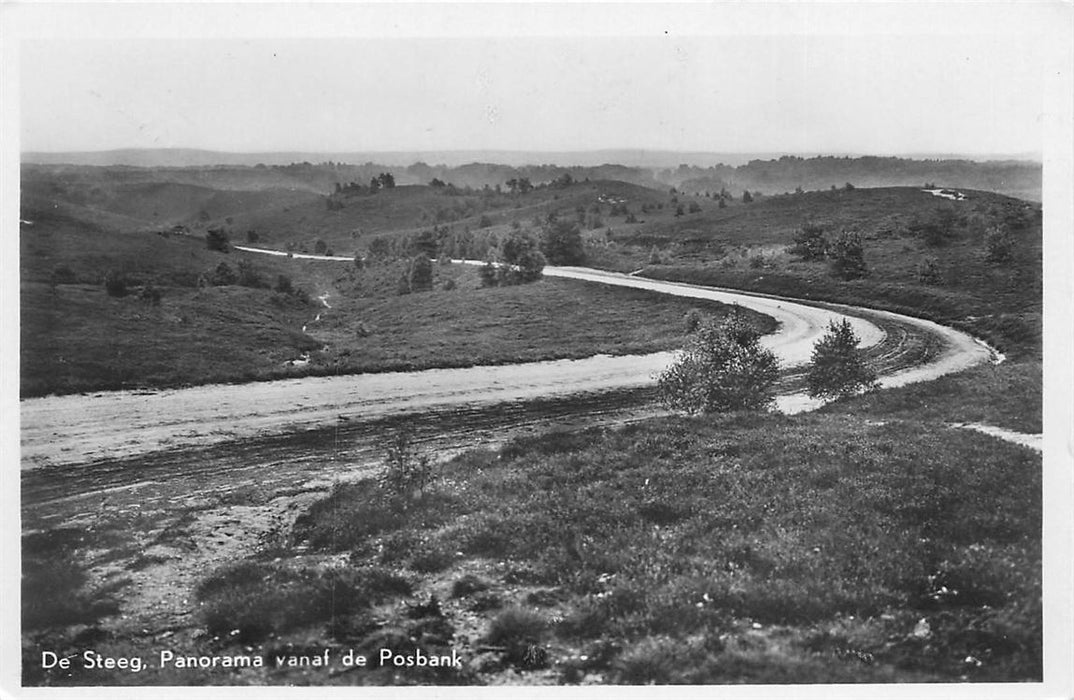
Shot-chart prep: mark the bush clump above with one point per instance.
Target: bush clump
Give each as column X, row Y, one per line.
column 722, row 367
column 837, row 368
column 217, row 239
column 519, row 631
column 999, row 245
column 810, row 243
column 521, row 262
column 847, row 256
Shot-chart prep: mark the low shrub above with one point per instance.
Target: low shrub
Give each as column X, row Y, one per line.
column 250, row 601
column 468, row 585
column 721, row 368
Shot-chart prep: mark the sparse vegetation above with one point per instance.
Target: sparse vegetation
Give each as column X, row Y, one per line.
column 248, row 601
column 56, row 590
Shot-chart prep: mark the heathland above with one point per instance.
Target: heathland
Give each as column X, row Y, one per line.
column 869, row 541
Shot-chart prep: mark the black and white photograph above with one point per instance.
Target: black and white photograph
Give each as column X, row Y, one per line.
column 613, row 344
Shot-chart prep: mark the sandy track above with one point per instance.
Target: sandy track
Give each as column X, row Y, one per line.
column 107, row 425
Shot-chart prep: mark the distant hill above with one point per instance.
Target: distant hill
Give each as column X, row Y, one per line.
column 185, row 157
column 694, row 172
column 787, row 173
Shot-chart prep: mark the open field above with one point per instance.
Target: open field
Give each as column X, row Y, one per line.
column 77, row 338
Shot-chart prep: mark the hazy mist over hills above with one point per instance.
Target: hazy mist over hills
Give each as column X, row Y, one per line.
column 689, row 171
column 183, row 157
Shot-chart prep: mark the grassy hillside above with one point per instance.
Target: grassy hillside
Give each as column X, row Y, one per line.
column 924, row 255
column 944, row 275
column 141, row 206
column 413, row 208
column 737, row 549
column 77, row 337
column 866, row 542
column 741, row 548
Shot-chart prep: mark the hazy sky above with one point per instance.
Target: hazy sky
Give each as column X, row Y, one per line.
column 827, row 92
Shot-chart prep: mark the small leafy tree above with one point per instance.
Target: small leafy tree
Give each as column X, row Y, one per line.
column 522, row 260
column 380, row 248
column 747, row 197
column 848, row 256
column 837, row 368
column 407, row 473
column 722, row 367
column 561, row 243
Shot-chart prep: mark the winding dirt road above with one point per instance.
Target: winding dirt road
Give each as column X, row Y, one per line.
column 76, row 429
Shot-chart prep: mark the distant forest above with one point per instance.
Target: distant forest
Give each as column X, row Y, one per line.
column 784, row 174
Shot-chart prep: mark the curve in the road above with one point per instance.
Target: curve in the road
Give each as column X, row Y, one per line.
column 81, row 428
